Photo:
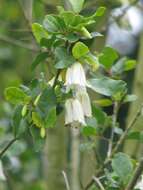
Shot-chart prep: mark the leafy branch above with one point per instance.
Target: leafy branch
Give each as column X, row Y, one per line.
column 118, row 145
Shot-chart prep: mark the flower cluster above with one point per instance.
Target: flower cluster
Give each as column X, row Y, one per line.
column 78, row 107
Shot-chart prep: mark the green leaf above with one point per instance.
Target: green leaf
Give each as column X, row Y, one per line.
column 19, row 123
column 51, row 118
column 47, row 100
column 122, row 166
column 77, row 5
column 72, row 37
column 39, row 32
column 37, row 140
column 64, row 60
column 100, row 12
column 41, row 57
column 64, row 63
column 136, row 135
column 75, row 22
column 37, row 120
column 92, row 60
column 99, row 115
column 88, row 131
column 16, row 95
column 130, row 98
column 47, row 42
column 16, row 119
column 107, row 86
column 79, row 50
column 123, row 65
column 118, row 67
column 108, row 57
column 54, row 24
column 130, row 64
column 104, row 102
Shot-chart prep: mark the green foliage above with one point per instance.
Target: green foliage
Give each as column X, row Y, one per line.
column 108, row 57
column 63, row 58
column 104, row 102
column 89, row 131
column 123, row 65
column 16, row 95
column 79, row 50
column 37, row 120
column 39, row 32
column 40, row 58
column 136, row 135
column 19, row 123
column 51, row 118
column 99, row 115
column 54, row 24
column 77, row 5
column 122, row 166
column 108, row 87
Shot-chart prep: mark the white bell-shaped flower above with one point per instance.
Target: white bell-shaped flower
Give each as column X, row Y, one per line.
column 75, row 76
column 2, row 176
column 74, row 112
column 84, row 99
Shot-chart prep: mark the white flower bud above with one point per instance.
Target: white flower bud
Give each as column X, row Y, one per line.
column 75, row 76
column 74, row 112
column 84, row 99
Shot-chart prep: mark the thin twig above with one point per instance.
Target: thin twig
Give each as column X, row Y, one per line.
column 136, row 176
column 130, row 126
column 17, row 43
column 56, row 78
column 7, row 147
column 114, row 120
column 66, row 180
column 97, row 181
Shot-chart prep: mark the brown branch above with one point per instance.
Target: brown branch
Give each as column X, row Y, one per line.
column 56, row 78
column 7, row 147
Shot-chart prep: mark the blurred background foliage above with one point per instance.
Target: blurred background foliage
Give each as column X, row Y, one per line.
column 23, row 166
